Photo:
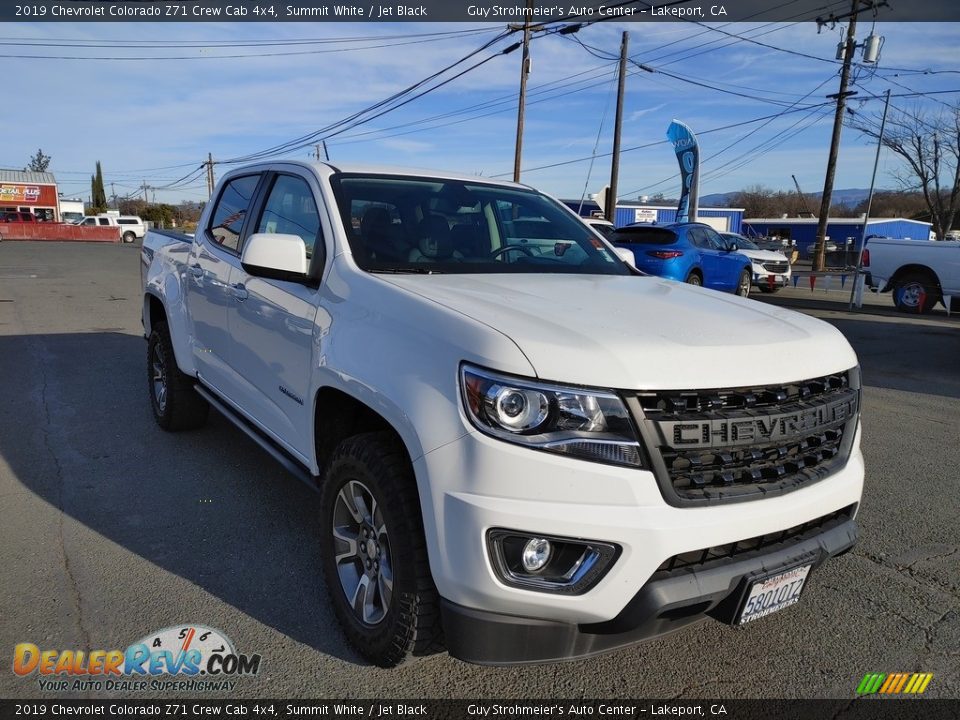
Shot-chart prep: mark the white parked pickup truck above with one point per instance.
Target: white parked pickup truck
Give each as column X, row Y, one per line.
column 525, row 449
column 920, row 273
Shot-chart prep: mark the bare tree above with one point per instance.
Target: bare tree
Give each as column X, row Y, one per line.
column 929, row 145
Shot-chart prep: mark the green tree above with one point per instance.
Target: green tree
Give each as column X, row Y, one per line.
column 98, row 195
column 38, row 163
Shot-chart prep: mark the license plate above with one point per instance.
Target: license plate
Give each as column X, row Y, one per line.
column 768, row 595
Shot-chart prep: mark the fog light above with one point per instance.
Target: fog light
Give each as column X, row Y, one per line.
column 549, row 563
column 536, row 553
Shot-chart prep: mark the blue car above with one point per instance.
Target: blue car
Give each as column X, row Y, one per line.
column 689, row 252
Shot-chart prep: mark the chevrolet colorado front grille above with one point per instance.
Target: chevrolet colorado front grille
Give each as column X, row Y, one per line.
column 735, row 444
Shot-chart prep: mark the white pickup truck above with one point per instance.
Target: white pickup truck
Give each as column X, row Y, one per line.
column 130, row 227
column 919, row 273
column 525, row 449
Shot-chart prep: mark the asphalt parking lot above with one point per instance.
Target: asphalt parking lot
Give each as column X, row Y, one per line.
column 111, row 528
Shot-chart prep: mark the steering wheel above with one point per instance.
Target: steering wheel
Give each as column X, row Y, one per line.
column 507, row 248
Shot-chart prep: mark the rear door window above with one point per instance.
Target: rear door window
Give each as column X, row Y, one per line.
column 700, row 238
column 232, row 207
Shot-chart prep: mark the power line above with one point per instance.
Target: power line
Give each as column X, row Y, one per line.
column 509, row 101
column 654, row 143
column 234, row 56
column 126, row 42
column 304, row 140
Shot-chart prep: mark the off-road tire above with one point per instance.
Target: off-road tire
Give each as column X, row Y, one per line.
column 181, row 408
column 411, row 625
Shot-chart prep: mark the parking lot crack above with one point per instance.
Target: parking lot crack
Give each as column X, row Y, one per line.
column 59, row 476
column 907, row 571
column 930, row 630
column 685, row 692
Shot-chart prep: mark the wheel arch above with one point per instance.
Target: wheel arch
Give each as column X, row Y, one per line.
column 154, row 311
column 338, row 414
column 912, row 268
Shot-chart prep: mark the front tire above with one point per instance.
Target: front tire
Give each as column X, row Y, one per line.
column 915, row 292
column 374, row 554
column 176, row 405
column 743, row 284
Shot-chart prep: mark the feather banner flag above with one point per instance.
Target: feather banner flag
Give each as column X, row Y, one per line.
column 688, row 155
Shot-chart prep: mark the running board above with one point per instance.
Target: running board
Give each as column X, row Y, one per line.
column 277, row 453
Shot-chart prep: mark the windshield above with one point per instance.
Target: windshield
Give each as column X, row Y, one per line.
column 741, row 242
column 429, row 225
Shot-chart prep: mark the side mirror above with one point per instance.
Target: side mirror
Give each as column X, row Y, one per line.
column 626, row 256
column 275, row 256
column 733, row 247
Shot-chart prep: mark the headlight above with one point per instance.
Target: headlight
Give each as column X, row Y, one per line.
column 589, row 424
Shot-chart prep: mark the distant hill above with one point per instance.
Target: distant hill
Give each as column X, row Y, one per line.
column 847, row 196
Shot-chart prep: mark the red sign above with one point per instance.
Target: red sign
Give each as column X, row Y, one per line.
column 28, row 194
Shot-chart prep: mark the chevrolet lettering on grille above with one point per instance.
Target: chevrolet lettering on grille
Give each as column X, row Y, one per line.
column 734, row 432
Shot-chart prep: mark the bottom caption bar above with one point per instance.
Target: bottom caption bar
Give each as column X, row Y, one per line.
column 868, row 708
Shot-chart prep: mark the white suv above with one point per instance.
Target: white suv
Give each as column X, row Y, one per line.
column 771, row 269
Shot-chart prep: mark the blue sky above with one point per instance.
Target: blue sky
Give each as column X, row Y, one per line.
column 137, row 116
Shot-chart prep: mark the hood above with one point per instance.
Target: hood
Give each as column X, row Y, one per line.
column 763, row 255
column 630, row 332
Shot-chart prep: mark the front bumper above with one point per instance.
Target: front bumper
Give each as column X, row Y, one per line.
column 667, row 602
column 762, row 278
column 477, row 483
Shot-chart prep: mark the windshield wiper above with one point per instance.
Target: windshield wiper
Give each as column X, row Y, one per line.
column 407, row 271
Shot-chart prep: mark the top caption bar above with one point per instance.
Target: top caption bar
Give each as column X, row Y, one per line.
column 470, row 11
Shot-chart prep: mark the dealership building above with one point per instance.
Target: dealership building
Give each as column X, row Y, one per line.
column 628, row 213
column 28, row 191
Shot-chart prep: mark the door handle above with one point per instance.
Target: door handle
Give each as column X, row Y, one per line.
column 196, row 271
column 239, row 291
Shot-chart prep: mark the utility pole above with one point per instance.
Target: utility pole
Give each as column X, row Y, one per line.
column 145, row 187
column 866, row 217
column 611, row 205
column 113, row 193
column 316, row 152
column 210, row 182
column 524, row 72
column 849, row 47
